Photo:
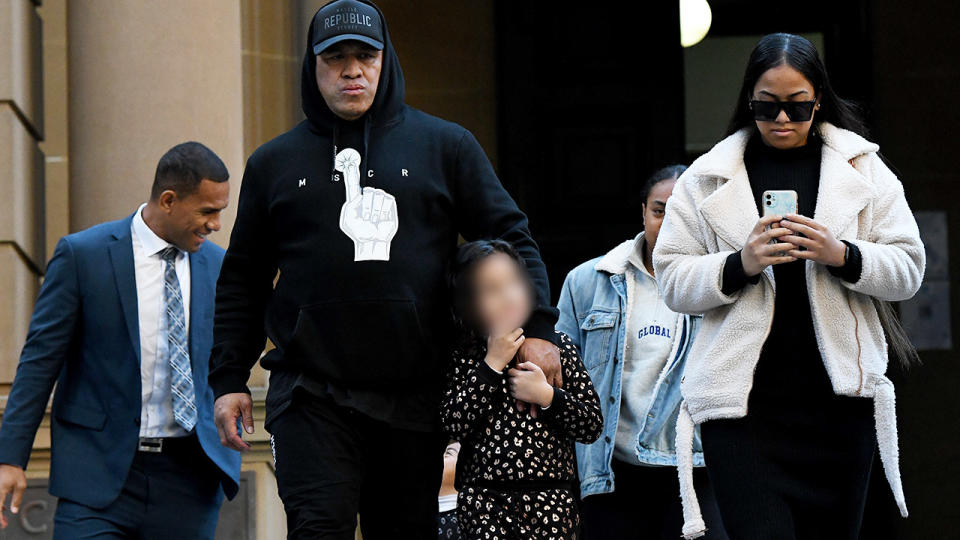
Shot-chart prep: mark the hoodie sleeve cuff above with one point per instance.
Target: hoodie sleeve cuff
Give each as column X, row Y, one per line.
column 228, row 382
column 734, row 276
column 542, row 325
column 852, row 267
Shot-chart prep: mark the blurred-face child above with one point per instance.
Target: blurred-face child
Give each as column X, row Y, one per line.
column 497, row 299
column 502, row 294
column 493, row 298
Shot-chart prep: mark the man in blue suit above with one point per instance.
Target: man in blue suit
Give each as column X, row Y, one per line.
column 123, row 326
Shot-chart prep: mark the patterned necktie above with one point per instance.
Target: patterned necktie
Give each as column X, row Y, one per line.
column 181, row 377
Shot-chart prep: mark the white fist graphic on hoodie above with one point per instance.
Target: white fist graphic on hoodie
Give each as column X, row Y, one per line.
column 368, row 217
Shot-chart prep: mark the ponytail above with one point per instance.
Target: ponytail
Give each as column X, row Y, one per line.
column 899, row 342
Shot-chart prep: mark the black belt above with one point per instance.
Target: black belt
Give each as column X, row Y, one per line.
column 167, row 445
column 520, row 485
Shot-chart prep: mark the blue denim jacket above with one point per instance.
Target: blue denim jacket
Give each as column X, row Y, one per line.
column 593, row 307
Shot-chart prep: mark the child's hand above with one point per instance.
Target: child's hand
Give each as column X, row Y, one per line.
column 527, row 382
column 501, row 348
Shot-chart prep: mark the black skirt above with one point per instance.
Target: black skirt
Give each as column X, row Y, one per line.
column 798, row 465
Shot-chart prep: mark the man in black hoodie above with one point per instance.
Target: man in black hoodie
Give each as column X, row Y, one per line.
column 359, row 208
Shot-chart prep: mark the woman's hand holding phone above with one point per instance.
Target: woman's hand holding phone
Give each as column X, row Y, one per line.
column 502, row 347
column 819, row 243
column 759, row 252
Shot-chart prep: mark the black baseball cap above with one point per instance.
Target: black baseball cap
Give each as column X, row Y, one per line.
column 343, row 20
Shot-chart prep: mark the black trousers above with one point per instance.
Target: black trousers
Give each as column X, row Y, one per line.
column 333, row 463
column 645, row 504
column 793, row 470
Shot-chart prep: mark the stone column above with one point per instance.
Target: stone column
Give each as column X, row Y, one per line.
column 22, row 251
column 55, row 133
column 144, row 76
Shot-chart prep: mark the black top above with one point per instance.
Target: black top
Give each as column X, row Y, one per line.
column 790, row 364
column 796, row 168
column 501, row 446
column 372, row 335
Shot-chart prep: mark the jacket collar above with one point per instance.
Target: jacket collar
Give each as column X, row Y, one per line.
column 617, row 259
column 121, row 256
column 730, row 209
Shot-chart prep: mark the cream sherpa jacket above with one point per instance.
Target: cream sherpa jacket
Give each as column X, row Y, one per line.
column 711, row 214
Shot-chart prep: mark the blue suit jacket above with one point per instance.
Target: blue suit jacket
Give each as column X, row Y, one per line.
column 85, row 336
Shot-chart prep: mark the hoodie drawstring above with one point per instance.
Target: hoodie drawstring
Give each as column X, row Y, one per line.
column 885, row 416
column 366, row 148
column 693, row 525
column 366, row 145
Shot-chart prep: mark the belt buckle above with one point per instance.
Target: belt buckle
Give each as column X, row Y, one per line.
column 151, row 444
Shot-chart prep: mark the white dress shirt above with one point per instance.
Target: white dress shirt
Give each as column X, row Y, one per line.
column 156, row 412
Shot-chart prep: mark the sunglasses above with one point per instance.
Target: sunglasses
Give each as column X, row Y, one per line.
column 768, row 111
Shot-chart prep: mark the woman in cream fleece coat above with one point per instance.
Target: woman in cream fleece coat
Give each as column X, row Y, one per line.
column 710, row 218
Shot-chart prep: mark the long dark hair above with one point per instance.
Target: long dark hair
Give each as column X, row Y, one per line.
column 774, row 50
column 460, row 283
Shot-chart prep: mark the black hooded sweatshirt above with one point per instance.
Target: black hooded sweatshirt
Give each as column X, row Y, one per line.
column 371, row 335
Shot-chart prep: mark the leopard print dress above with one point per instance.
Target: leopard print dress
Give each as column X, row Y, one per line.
column 517, row 471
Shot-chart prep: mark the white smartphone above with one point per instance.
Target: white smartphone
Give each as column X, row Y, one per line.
column 779, row 202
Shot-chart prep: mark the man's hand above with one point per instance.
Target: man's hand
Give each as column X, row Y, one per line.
column 546, row 356
column 13, row 481
column 821, row 246
column 226, row 410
